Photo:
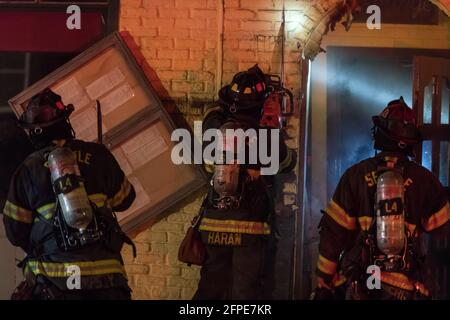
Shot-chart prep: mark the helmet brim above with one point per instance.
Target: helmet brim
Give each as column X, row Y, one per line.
column 396, row 130
column 65, row 114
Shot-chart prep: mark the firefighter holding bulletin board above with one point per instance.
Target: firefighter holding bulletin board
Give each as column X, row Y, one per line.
column 60, row 210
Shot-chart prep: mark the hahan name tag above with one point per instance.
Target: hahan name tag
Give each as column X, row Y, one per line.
column 224, row 239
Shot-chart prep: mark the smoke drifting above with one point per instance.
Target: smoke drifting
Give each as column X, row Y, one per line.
column 363, row 86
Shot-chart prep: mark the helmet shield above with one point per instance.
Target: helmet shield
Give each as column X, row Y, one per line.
column 45, row 109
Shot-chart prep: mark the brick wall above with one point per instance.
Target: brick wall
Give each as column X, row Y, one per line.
column 156, row 272
column 179, row 44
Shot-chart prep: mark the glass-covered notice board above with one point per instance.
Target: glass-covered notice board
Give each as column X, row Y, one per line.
column 135, row 126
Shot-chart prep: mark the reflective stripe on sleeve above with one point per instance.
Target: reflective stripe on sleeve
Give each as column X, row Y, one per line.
column 365, row 222
column 87, row 268
column 120, row 196
column 438, row 219
column 17, row 213
column 326, row 266
column 234, row 226
column 340, row 216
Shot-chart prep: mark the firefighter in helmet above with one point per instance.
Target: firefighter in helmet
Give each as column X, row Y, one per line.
column 60, row 210
column 235, row 225
column 372, row 232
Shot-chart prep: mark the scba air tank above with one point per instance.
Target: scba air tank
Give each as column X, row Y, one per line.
column 68, row 185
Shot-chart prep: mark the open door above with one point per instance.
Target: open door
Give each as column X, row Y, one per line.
column 431, row 96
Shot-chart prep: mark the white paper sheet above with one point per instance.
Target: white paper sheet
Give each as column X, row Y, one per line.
column 144, row 147
column 116, row 98
column 122, row 160
column 85, row 125
column 146, row 136
column 72, row 92
column 105, row 83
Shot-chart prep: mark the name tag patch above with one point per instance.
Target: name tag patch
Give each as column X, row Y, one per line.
column 224, row 239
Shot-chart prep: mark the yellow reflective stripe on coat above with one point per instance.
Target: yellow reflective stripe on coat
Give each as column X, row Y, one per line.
column 365, row 222
column 438, row 219
column 339, row 280
column 98, row 199
column 340, row 216
column 87, row 268
column 17, row 213
column 124, row 191
column 401, row 281
column 47, row 211
column 234, row 226
column 326, row 266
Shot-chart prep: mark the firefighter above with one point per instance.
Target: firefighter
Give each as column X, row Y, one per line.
column 235, row 225
column 67, row 260
column 372, row 232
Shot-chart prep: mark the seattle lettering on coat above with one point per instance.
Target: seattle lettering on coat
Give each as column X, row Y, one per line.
column 82, row 158
column 372, row 177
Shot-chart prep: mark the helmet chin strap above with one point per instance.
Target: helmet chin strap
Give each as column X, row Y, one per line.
column 71, row 128
column 383, row 143
column 45, row 136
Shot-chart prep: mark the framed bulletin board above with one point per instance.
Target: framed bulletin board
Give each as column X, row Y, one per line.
column 144, row 154
column 136, row 127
